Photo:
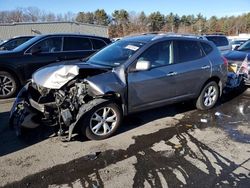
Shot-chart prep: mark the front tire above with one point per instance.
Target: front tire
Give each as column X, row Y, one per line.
column 208, row 96
column 102, row 121
column 8, row 85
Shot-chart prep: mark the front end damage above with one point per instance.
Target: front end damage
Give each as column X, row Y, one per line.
column 60, row 96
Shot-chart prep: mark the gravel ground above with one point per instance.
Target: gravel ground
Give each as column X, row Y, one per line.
column 174, row 146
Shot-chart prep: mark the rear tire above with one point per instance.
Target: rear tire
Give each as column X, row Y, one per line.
column 208, row 96
column 8, row 85
column 102, row 121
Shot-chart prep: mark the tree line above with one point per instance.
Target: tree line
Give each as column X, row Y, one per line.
column 122, row 22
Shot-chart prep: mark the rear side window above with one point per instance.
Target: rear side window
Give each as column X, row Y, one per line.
column 188, row 51
column 206, row 47
column 218, row 40
column 76, row 43
column 98, row 44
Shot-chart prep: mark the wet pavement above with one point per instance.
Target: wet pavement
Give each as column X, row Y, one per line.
column 174, row 146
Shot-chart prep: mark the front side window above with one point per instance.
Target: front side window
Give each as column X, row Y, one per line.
column 49, row 45
column 160, row 54
column 188, row 51
column 115, row 54
column 76, row 43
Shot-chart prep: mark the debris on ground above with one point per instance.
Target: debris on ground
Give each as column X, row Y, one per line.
column 221, row 114
column 93, row 156
column 203, row 120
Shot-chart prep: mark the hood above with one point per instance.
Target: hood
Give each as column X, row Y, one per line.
column 236, row 55
column 57, row 75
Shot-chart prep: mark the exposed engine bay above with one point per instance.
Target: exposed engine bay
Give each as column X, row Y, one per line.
column 59, row 98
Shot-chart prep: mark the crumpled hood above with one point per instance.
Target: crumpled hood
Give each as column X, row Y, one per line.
column 54, row 77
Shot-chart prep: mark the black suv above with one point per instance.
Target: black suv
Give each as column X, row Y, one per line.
column 17, row 66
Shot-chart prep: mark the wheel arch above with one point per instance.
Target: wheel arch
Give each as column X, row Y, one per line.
column 116, row 98
column 13, row 73
column 215, row 79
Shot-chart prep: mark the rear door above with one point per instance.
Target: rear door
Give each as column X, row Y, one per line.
column 75, row 47
column 194, row 68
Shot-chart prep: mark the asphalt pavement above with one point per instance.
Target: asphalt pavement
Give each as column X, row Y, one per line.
column 172, row 146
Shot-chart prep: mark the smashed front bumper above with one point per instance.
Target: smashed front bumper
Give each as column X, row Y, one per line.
column 25, row 111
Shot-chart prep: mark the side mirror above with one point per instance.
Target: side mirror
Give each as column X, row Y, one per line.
column 35, row 50
column 142, row 65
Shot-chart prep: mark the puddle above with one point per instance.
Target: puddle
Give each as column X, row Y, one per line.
column 232, row 116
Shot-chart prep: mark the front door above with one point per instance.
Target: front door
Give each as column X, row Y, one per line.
column 156, row 86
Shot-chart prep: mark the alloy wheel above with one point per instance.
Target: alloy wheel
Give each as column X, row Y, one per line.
column 103, row 121
column 6, row 85
column 210, row 96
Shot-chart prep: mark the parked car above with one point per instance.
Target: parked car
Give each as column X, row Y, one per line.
column 14, row 42
column 128, row 76
column 17, row 66
column 238, row 56
column 221, row 42
column 237, row 43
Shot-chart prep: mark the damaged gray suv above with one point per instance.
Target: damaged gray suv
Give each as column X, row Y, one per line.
column 128, row 76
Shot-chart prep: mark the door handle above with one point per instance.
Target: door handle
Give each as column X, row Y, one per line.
column 205, row 67
column 172, row 74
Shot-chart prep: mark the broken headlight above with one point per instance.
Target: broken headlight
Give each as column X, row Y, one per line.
column 42, row 90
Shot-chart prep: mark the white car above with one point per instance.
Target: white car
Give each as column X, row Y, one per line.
column 221, row 41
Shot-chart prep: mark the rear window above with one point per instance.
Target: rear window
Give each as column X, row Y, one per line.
column 206, row 47
column 98, row 44
column 188, row 51
column 76, row 43
column 218, row 40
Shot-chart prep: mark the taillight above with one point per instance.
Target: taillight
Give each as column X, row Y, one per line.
column 225, row 61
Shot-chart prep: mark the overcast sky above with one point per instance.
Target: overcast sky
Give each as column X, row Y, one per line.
column 208, row 8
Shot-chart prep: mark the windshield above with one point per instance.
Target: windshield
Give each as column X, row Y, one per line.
column 115, row 54
column 218, row 40
column 245, row 46
column 27, row 43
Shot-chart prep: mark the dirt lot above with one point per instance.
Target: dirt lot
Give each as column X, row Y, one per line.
column 174, row 146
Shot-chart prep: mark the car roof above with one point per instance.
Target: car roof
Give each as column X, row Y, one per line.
column 71, row 34
column 148, row 37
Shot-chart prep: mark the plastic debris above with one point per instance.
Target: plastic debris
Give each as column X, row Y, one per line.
column 204, row 120
column 241, row 109
column 141, row 152
column 189, row 126
column 235, row 122
column 177, row 146
column 220, row 114
column 93, row 156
